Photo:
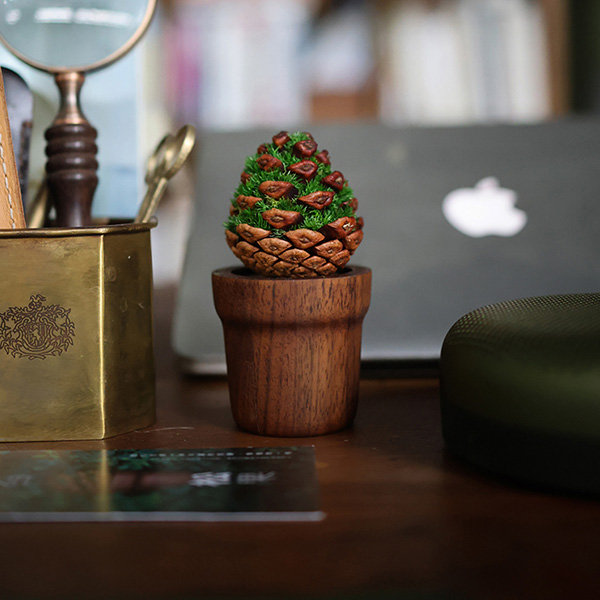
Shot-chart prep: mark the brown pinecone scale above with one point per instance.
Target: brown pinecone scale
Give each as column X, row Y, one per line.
column 301, row 253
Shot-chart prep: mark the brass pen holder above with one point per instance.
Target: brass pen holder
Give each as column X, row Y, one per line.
column 76, row 352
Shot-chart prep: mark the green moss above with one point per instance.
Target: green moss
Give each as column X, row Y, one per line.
column 312, row 218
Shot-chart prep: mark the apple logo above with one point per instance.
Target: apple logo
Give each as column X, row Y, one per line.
column 486, row 209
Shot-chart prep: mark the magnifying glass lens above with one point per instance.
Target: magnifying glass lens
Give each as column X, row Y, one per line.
column 69, row 34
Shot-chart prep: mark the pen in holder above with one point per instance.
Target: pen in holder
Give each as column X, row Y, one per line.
column 11, row 205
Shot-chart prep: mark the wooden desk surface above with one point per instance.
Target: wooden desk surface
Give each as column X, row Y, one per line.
column 403, row 518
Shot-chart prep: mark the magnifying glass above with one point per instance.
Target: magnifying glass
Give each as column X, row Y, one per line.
column 69, row 38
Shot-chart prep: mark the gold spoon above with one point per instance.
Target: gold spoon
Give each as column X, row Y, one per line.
column 169, row 156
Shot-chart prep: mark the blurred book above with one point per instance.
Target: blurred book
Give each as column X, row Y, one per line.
column 234, row 63
column 462, row 61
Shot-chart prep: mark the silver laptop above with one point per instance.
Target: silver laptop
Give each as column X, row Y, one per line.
column 455, row 218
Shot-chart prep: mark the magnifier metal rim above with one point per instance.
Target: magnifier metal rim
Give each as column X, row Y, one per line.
column 131, row 42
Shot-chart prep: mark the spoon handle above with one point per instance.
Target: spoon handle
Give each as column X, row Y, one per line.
column 11, row 205
column 156, row 190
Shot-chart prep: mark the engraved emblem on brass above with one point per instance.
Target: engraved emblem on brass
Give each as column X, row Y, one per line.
column 36, row 330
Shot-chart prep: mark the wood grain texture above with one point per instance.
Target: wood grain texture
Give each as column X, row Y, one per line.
column 72, row 172
column 11, row 205
column 292, row 348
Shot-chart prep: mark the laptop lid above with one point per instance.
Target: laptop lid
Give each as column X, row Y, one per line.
column 455, row 218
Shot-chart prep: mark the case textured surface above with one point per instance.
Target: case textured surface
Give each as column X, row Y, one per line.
column 520, row 390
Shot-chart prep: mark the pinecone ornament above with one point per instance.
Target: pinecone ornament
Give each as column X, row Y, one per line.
column 292, row 215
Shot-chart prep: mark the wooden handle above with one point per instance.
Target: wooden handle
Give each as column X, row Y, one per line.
column 11, row 205
column 72, row 172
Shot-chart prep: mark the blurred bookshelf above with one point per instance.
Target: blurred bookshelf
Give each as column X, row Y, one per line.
column 236, row 64
column 242, row 63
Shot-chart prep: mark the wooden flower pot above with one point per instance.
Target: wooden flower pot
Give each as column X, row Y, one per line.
column 293, row 348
